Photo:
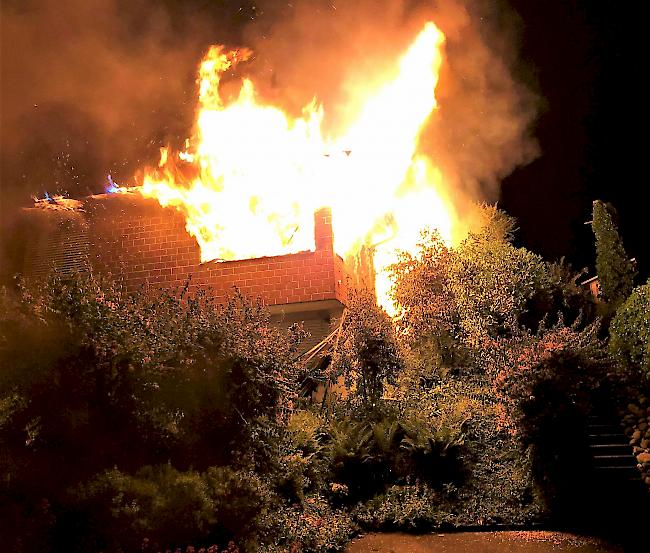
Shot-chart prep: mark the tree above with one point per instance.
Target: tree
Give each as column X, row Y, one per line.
column 427, row 318
column 615, row 271
column 492, row 282
column 367, row 352
column 452, row 300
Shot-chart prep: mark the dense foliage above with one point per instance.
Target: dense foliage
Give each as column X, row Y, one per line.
column 630, row 331
column 549, row 384
column 94, row 379
column 452, row 301
column 169, row 420
column 522, row 328
column 366, row 352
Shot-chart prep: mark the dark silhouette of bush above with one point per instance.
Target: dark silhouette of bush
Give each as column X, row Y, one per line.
column 93, row 378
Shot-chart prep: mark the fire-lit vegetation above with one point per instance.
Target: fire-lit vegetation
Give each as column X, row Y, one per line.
column 154, row 420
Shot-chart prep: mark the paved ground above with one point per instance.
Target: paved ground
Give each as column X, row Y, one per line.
column 480, row 542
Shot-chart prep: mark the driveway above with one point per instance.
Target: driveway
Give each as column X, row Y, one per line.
column 480, row 542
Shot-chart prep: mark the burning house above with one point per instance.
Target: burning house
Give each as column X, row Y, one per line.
column 241, row 203
column 138, row 241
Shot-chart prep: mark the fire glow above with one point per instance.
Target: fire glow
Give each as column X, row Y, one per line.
column 250, row 179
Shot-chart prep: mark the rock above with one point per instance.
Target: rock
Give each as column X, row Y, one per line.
column 643, row 426
column 643, row 457
column 645, row 443
column 636, row 436
column 647, row 480
column 634, row 409
column 636, row 450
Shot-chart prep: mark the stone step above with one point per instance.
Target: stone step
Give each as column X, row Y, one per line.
column 611, row 449
column 608, row 438
column 604, row 429
column 621, row 475
column 614, row 461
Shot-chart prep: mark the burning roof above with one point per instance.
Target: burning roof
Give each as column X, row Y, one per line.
column 252, row 175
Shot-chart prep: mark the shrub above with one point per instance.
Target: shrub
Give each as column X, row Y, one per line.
column 549, row 384
column 109, row 379
column 352, row 460
column 311, row 526
column 301, row 459
column 451, row 300
column 410, row 507
column 492, row 282
column 630, row 331
column 560, row 298
column 494, row 483
column 170, row 508
column 368, row 455
column 427, row 316
column 536, row 372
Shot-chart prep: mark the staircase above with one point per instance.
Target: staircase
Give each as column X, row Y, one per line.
column 611, row 452
column 620, row 502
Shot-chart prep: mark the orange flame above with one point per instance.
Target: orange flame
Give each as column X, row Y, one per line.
column 250, row 180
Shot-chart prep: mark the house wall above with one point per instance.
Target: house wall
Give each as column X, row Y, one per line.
column 142, row 242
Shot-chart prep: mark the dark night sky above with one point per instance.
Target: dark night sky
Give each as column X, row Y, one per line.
column 582, row 55
column 587, row 64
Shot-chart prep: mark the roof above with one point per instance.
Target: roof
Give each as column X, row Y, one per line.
column 589, row 280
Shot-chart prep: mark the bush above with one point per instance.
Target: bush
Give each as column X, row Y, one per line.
column 368, row 455
column 412, row 507
column 312, row 526
column 171, row 508
column 451, row 301
column 302, row 463
column 630, row 331
column 492, row 283
column 549, row 385
column 110, row 379
column 560, row 298
column 495, row 485
column 427, row 321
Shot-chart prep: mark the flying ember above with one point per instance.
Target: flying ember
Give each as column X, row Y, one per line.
column 251, row 177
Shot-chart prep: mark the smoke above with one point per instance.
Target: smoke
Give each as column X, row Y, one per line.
column 481, row 130
column 91, row 88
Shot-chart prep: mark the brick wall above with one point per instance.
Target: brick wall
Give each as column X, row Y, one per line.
column 142, row 242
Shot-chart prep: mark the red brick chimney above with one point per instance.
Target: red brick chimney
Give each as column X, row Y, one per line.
column 323, row 233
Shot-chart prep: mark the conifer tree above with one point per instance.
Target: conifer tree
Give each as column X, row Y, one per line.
column 615, row 271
